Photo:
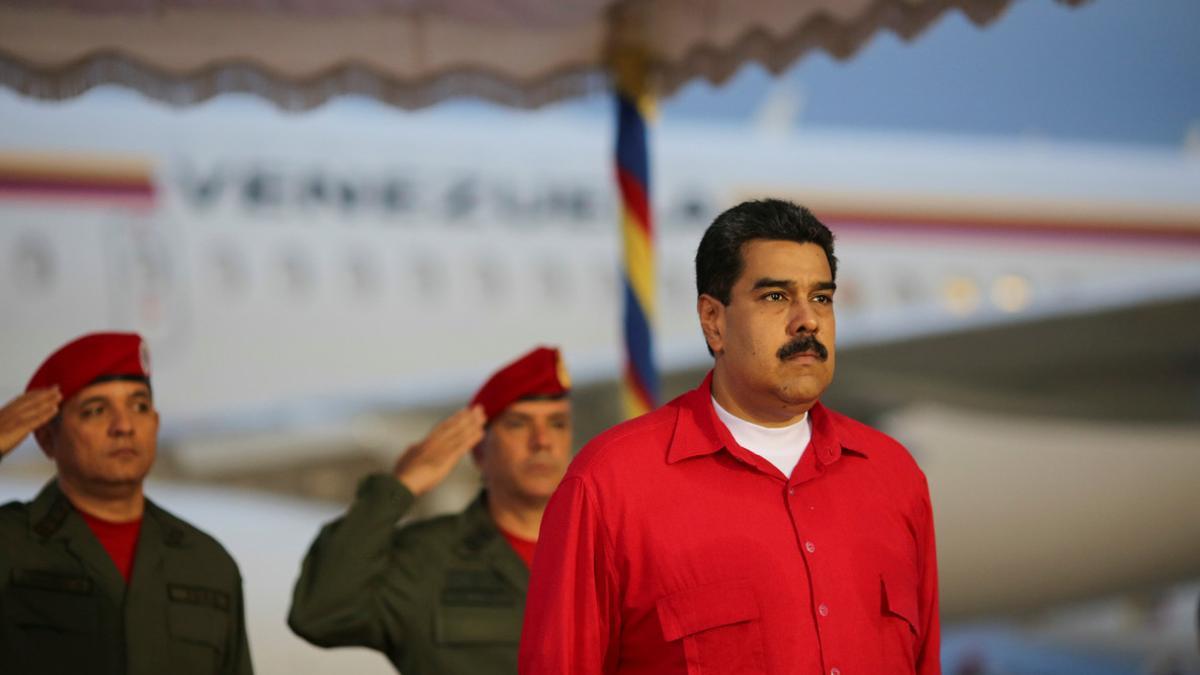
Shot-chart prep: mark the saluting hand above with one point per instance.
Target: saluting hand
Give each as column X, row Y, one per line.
column 426, row 463
column 26, row 413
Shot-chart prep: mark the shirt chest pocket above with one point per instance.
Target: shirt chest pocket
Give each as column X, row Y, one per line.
column 477, row 625
column 56, row 622
column 54, row 602
column 899, row 591
column 477, row 609
column 901, row 618
column 719, row 625
column 198, row 620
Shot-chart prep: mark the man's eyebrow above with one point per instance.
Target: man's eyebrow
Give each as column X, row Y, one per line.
column 766, row 282
column 91, row 400
column 100, row 398
column 825, row 286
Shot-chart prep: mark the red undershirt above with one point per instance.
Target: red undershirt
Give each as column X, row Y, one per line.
column 523, row 547
column 119, row 539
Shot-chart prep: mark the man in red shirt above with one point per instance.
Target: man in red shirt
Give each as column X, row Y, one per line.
column 446, row 595
column 742, row 527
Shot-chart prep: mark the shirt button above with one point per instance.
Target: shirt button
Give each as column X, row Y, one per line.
column 823, row 610
column 810, row 547
column 791, row 491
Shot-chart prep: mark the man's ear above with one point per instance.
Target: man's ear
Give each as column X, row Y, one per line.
column 712, row 321
column 44, row 435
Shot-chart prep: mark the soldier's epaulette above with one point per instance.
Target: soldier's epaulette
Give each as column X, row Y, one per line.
column 53, row 520
column 474, row 542
column 175, row 530
column 174, row 537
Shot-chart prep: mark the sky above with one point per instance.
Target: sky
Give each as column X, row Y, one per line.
column 1111, row 71
column 1124, row 71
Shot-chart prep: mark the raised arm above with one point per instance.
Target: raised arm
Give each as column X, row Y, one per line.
column 24, row 414
column 338, row 599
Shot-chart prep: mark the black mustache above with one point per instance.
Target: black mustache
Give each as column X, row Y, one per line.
column 803, row 343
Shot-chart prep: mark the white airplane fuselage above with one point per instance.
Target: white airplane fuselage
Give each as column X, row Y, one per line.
column 288, row 271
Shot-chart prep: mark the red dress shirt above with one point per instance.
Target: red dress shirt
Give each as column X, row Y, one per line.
column 670, row 549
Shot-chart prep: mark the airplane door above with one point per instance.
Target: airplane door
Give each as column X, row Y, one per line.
column 147, row 279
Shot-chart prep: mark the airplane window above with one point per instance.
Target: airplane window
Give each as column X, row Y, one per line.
column 397, row 196
column 427, row 275
column 231, row 271
column 850, row 295
column 511, row 206
column 907, row 288
column 364, row 274
column 583, row 209
column 152, row 263
column 960, row 295
column 1011, row 292
column 556, row 281
column 297, row 272
column 569, row 206
column 461, row 200
column 262, row 189
column 691, row 210
column 313, row 190
column 605, row 275
column 348, row 197
column 33, row 265
column 493, row 278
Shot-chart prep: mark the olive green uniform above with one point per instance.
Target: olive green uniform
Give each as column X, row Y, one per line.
column 444, row 596
column 65, row 608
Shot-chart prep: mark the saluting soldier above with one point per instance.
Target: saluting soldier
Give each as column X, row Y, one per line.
column 446, row 595
column 95, row 577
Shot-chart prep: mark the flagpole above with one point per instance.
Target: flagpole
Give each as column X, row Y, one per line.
column 634, row 105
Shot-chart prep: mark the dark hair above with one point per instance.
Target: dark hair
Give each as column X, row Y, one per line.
column 719, row 259
column 141, row 379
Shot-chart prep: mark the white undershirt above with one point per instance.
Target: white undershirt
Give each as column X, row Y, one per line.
column 781, row 446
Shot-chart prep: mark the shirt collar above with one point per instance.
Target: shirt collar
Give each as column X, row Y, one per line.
column 698, row 431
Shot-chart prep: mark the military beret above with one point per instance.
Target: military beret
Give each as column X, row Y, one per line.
column 84, row 360
column 539, row 373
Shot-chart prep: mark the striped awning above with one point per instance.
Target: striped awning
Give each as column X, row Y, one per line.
column 414, row 53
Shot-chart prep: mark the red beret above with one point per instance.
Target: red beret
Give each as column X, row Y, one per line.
column 82, row 361
column 539, row 373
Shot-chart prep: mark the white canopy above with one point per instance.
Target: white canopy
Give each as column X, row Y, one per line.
column 413, row 53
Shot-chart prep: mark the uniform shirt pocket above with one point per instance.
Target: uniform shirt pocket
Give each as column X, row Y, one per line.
column 476, row 608
column 459, row 625
column 719, row 625
column 52, row 601
column 56, row 625
column 198, row 615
